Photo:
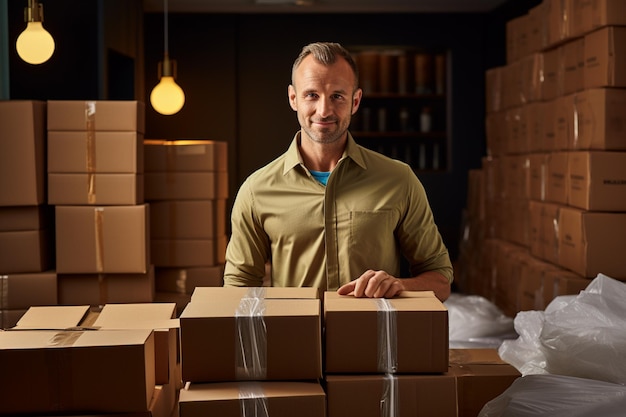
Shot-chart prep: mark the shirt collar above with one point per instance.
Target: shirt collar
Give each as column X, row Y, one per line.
column 293, row 157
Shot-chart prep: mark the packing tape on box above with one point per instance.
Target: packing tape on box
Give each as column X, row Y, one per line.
column 4, row 292
column 90, row 127
column 387, row 336
column 389, row 400
column 103, row 289
column 99, row 230
column 251, row 343
column 252, row 400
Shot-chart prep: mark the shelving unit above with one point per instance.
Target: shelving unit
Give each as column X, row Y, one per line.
column 403, row 86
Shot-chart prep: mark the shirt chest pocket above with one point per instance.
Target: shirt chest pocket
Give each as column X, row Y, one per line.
column 372, row 232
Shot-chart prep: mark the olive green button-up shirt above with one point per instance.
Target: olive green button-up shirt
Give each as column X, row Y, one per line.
column 372, row 211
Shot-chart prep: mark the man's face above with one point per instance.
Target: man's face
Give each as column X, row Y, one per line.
column 324, row 98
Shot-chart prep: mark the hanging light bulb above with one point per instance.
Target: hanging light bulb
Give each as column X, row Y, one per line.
column 35, row 45
column 167, row 97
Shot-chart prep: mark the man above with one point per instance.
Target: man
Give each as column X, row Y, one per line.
column 329, row 213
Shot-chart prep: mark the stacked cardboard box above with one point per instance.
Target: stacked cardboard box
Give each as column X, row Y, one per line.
column 390, row 353
column 554, row 177
column 252, row 349
column 95, row 182
column 76, row 360
column 26, row 221
column 187, row 188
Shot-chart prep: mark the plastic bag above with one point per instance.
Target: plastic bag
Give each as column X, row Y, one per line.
column 476, row 322
column 582, row 336
column 558, row 396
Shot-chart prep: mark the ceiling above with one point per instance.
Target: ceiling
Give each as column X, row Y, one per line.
column 323, row 6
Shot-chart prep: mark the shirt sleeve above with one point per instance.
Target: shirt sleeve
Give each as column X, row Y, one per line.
column 418, row 234
column 248, row 249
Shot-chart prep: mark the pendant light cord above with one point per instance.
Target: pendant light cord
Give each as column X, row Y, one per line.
column 165, row 31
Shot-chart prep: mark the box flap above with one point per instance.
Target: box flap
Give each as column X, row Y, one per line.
column 52, row 317
column 406, row 301
column 229, row 307
column 255, row 292
column 138, row 316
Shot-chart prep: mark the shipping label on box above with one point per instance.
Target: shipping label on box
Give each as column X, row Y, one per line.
column 255, row 338
column 605, row 57
column 105, row 239
column 233, row 399
column 597, row 180
column 91, row 152
column 22, row 153
column 186, row 155
column 592, row 242
column 404, row 334
column 96, row 115
column 388, row 395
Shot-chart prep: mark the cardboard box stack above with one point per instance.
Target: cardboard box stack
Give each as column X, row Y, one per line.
column 26, row 220
column 389, row 353
column 187, row 188
column 96, row 183
column 78, row 361
column 252, row 349
column 547, row 210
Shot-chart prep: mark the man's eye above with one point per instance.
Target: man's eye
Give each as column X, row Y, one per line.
column 310, row 95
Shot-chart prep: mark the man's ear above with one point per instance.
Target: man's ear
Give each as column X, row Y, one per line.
column 291, row 93
column 356, row 100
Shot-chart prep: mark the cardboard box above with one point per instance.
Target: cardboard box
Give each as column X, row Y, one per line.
column 533, row 112
column 96, row 115
column 186, row 155
column 101, row 189
column 548, row 126
column 110, row 239
column 549, row 234
column 159, row 317
column 591, row 242
column 20, row 218
column 535, row 28
column 573, row 66
column 481, row 375
column 186, row 280
column 564, row 111
column 595, row 14
column 186, row 185
column 557, row 21
column 557, row 185
column 91, row 152
column 188, row 219
column 605, row 57
column 601, row 120
column 26, row 251
column 118, row 366
column 9, row 318
column 22, row 153
column 20, row 291
column 493, row 89
column 551, row 84
column 537, row 172
column 372, row 395
column 180, row 253
column 100, row 289
column 276, row 399
column 597, row 180
column 560, row 281
column 418, row 342
column 254, row 338
column 205, row 294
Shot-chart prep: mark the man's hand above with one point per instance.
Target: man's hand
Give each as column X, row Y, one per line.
column 373, row 284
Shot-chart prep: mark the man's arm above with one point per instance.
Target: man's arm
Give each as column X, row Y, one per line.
column 382, row 285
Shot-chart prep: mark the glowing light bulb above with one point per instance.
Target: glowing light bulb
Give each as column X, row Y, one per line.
column 167, row 97
column 35, row 45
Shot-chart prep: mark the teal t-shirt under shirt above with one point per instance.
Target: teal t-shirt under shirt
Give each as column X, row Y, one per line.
column 322, row 177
